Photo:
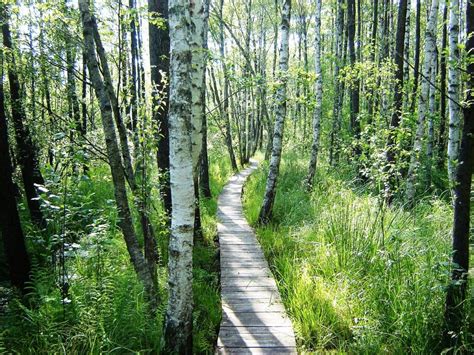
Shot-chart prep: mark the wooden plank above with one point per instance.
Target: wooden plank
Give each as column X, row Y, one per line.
column 256, row 273
column 241, row 255
column 263, row 297
column 238, row 241
column 256, row 351
column 247, row 281
column 275, row 319
column 261, row 307
column 254, row 319
column 244, row 263
column 241, row 248
column 249, row 288
column 264, row 340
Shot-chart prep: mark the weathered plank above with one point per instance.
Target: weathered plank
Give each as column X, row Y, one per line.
column 277, row 319
column 247, row 281
column 256, row 351
column 254, row 319
column 239, row 340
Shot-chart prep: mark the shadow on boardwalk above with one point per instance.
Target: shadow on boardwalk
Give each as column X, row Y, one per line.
column 254, row 320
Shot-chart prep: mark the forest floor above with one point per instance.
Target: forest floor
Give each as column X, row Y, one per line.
column 105, row 310
column 356, row 276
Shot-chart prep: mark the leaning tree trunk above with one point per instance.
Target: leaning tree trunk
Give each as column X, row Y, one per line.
column 159, row 43
column 178, row 323
column 270, row 190
column 114, row 157
column 10, row 226
column 429, row 64
column 456, row 296
column 453, row 89
column 318, row 88
column 27, row 153
column 147, row 229
column 390, row 152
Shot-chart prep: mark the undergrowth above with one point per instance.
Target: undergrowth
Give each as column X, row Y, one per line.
column 105, row 310
column 355, row 276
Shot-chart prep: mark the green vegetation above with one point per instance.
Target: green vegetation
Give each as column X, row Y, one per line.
column 105, row 310
column 355, row 275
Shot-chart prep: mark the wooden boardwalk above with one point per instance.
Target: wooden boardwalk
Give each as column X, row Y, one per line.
column 254, row 320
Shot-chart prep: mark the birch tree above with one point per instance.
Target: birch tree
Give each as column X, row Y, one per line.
column 114, row 157
column 458, row 288
column 318, row 88
column 270, row 189
column 453, row 89
column 178, row 322
column 429, row 64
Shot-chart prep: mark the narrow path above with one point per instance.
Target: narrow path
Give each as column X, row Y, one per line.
column 254, row 320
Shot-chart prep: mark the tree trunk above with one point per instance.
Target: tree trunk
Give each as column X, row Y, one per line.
column 416, row 69
column 134, row 97
column 140, row 198
column 159, row 43
column 225, row 103
column 270, row 190
column 456, row 295
column 431, row 117
column 338, row 102
column 178, row 322
column 442, row 120
column 10, row 226
column 199, row 13
column 429, row 63
column 453, row 89
column 390, row 152
column 406, row 67
column 27, row 152
column 113, row 153
column 318, row 88
column 354, row 87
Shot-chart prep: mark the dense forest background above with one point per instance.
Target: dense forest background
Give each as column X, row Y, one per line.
column 121, row 121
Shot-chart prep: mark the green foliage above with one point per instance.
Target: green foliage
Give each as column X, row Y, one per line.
column 355, row 275
column 105, row 309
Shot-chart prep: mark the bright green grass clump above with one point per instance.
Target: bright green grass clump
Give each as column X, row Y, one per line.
column 354, row 275
column 106, row 310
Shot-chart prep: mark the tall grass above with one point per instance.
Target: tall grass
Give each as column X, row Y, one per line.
column 355, row 275
column 106, row 310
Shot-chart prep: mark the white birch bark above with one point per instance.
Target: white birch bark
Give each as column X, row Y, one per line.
column 178, row 321
column 454, row 134
column 406, row 47
column 431, row 115
column 199, row 12
column 423, row 104
column 280, row 115
column 318, row 88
